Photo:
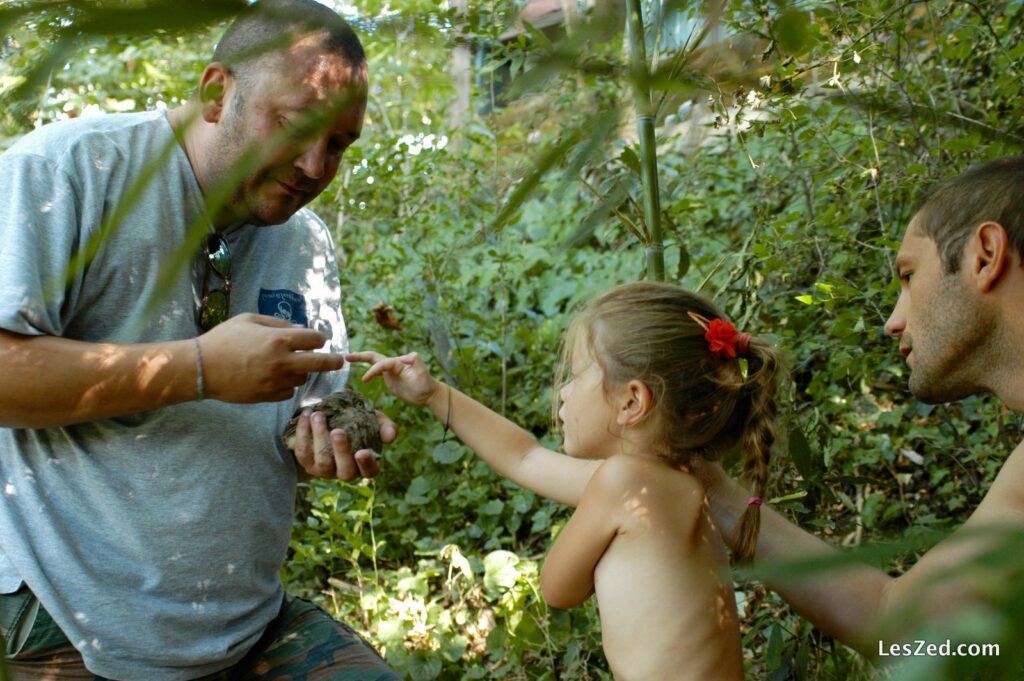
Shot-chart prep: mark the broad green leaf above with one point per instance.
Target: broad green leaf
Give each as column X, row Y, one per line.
column 424, row 666
column 447, row 452
column 500, row 570
column 793, row 31
column 804, row 457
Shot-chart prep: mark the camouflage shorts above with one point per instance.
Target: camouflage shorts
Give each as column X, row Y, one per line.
column 303, row 643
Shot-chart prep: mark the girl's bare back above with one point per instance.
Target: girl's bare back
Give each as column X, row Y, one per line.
column 662, row 585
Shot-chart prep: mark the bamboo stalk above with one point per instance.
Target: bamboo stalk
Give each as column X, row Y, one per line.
column 655, row 250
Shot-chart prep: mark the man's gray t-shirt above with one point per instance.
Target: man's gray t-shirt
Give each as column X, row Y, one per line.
column 154, row 539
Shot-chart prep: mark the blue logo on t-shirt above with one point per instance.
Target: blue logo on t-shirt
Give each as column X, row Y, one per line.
column 284, row 304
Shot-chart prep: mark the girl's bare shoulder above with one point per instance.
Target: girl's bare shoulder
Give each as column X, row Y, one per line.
column 648, row 477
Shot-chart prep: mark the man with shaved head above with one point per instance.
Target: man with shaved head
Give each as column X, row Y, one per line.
column 169, row 304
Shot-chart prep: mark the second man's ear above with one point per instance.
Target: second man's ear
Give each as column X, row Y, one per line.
column 988, row 251
column 213, row 86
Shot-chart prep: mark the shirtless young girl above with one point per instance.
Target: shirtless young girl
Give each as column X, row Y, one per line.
column 650, row 378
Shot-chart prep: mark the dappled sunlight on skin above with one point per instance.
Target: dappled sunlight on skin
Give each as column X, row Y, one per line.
column 153, row 372
column 640, row 513
column 667, row 567
column 148, row 370
column 148, row 367
column 636, row 509
column 321, row 106
column 329, row 72
column 725, row 600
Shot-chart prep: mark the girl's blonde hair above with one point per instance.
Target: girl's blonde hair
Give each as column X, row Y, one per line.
column 704, row 404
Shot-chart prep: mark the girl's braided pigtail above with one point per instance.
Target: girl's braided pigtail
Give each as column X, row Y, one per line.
column 756, row 441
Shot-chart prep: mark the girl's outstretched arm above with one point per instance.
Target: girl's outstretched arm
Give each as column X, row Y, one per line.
column 511, row 451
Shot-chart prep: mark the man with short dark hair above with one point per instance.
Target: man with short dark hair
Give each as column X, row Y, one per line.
column 142, row 529
column 959, row 320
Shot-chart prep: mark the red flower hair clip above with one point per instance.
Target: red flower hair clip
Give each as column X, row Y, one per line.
column 723, row 339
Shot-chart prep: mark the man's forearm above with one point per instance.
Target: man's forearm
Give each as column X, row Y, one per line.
column 49, row 381
column 845, row 602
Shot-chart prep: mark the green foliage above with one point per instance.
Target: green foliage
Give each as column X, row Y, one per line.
column 61, row 60
column 793, row 141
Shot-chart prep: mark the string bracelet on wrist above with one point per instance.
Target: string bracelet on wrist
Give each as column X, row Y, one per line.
column 200, row 383
column 448, row 418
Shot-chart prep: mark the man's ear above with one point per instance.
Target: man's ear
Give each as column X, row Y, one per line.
column 213, row 87
column 987, row 253
column 636, row 402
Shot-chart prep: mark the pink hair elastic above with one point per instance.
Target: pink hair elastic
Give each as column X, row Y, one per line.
column 743, row 344
column 755, row 501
